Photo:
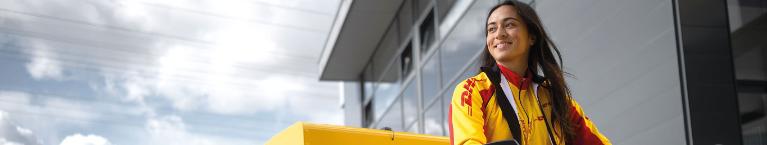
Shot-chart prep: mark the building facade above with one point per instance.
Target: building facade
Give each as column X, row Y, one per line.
column 645, row 72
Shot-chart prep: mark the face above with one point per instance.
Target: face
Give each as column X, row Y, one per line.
column 507, row 36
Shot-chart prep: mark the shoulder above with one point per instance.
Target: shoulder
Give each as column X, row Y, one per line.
column 479, row 81
column 478, row 85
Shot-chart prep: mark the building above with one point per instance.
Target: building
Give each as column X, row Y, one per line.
column 646, row 72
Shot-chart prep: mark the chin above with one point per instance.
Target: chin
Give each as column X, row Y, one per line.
column 504, row 56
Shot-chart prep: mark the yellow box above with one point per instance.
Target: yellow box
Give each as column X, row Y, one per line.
column 316, row 134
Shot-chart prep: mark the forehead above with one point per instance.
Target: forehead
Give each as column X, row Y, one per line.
column 502, row 12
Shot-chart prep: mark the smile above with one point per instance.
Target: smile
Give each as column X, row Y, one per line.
column 502, row 45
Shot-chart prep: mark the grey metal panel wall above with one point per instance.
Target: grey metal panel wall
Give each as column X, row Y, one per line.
column 623, row 57
column 706, row 55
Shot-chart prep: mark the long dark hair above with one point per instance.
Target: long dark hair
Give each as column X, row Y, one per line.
column 543, row 55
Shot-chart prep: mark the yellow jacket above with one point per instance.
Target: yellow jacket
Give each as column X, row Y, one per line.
column 475, row 118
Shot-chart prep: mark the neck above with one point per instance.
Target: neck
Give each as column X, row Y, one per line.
column 518, row 67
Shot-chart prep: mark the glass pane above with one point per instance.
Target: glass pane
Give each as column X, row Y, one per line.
column 748, row 19
column 427, row 32
column 413, row 128
column 465, row 40
column 433, row 118
column 446, row 98
column 443, row 7
column 410, row 100
column 406, row 60
column 368, row 118
column 752, row 116
column 430, row 78
column 393, row 118
column 755, row 135
column 465, row 74
column 386, row 91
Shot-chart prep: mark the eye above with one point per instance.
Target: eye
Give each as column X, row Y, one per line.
column 509, row 25
column 491, row 29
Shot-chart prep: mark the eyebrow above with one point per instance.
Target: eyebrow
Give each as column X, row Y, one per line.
column 504, row 19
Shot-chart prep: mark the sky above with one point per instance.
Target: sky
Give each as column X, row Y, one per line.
column 162, row 72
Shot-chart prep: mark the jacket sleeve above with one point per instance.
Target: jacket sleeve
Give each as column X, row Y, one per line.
column 586, row 132
column 466, row 121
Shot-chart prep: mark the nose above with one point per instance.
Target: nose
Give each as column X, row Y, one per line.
column 500, row 34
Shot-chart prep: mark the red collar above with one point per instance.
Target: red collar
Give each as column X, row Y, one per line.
column 514, row 78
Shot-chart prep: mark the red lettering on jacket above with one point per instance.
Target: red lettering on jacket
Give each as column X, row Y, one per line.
column 466, row 95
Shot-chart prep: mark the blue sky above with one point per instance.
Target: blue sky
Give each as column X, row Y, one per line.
column 187, row 72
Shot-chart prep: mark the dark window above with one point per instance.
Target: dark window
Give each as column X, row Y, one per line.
column 427, row 32
column 406, row 59
column 368, row 115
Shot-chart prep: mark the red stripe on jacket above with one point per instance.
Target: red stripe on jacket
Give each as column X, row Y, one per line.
column 584, row 135
column 450, row 123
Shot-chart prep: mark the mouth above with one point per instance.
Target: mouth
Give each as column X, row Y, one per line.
column 503, row 44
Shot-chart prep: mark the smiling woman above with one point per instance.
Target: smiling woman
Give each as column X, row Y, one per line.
column 508, row 100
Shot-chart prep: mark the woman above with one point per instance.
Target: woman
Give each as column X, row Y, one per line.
column 509, row 88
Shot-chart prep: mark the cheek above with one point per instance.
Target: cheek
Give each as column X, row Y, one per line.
column 488, row 41
column 489, row 45
column 514, row 34
column 519, row 38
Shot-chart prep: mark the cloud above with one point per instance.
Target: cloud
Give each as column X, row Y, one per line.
column 211, row 80
column 36, row 119
column 79, row 139
column 235, row 58
column 171, row 130
column 23, row 131
column 433, row 126
column 43, row 63
column 13, row 134
column 5, row 142
column 55, row 107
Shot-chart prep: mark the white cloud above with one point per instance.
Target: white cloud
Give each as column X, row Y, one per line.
column 23, row 131
column 3, row 115
column 168, row 130
column 79, row 139
column 13, row 134
column 40, row 119
column 211, row 80
column 43, row 63
column 432, row 125
column 6, row 142
column 67, row 109
column 171, row 130
column 234, row 57
column 14, row 100
column 54, row 107
column 234, row 63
